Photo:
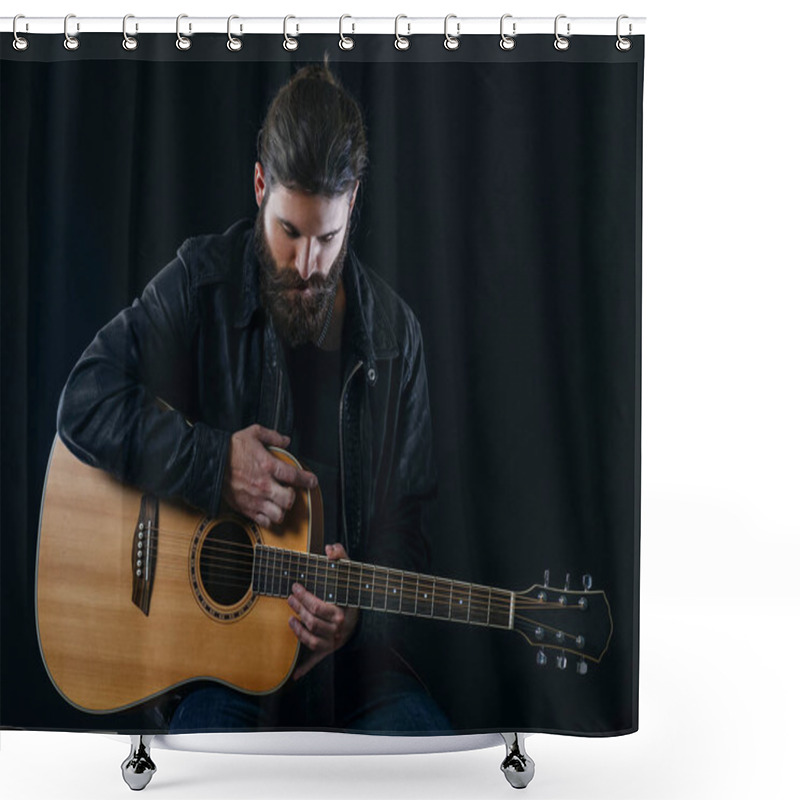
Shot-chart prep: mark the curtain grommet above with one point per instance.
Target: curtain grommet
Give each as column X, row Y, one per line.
column 182, row 42
column 20, row 42
column 451, row 42
column 622, row 44
column 401, row 42
column 507, row 42
column 290, row 43
column 561, row 43
column 346, row 42
column 233, row 44
column 129, row 43
column 71, row 43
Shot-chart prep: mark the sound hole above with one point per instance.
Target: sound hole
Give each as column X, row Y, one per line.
column 226, row 563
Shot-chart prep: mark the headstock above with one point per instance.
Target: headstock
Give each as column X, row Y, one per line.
column 565, row 621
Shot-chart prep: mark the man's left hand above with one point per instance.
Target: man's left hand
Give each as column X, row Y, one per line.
column 322, row 627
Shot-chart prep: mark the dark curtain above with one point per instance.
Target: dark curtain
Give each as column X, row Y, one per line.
column 503, row 202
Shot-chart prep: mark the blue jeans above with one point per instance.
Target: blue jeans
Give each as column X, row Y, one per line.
column 391, row 702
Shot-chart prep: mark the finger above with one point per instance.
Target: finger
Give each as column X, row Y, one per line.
column 335, row 551
column 303, row 635
column 266, row 513
column 281, row 496
column 319, row 608
column 269, row 437
column 319, row 627
column 287, row 474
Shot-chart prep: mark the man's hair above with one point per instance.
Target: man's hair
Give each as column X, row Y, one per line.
column 313, row 137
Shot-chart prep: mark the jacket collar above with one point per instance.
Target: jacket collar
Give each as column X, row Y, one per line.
column 368, row 329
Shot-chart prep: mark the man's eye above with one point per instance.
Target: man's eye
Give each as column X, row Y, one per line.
column 327, row 239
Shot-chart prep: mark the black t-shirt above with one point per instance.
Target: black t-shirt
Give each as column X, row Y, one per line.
column 316, row 381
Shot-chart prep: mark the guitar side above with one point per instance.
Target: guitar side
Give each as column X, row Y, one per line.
column 102, row 652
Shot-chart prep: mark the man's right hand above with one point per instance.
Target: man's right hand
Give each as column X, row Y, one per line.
column 257, row 484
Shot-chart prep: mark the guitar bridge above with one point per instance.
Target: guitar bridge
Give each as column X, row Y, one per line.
column 144, row 552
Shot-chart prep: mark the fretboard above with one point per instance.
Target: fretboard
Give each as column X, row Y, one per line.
column 376, row 588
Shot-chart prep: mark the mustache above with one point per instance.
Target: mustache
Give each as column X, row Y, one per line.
column 288, row 279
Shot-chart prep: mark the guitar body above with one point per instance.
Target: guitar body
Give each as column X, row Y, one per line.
column 111, row 638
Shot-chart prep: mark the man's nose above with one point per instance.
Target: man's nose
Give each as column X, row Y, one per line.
column 306, row 258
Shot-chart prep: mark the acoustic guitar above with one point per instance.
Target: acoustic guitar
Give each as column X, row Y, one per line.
column 136, row 595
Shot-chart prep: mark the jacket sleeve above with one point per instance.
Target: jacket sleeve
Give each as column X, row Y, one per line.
column 116, row 409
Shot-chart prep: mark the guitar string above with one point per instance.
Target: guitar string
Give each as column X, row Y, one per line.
column 393, row 573
column 227, row 567
column 394, row 578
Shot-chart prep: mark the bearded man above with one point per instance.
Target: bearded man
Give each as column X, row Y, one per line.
column 274, row 334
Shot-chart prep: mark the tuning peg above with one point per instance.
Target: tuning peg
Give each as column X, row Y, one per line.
column 566, row 583
column 542, row 596
column 561, row 660
column 541, row 657
column 583, row 667
column 587, row 582
column 538, row 633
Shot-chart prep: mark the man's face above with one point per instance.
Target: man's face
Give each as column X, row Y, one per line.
column 301, row 241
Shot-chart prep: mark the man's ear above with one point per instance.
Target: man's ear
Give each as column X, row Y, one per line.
column 259, row 183
column 355, row 192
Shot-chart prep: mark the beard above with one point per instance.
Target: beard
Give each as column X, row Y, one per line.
column 299, row 316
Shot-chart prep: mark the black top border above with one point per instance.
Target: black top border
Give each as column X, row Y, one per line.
column 425, row 48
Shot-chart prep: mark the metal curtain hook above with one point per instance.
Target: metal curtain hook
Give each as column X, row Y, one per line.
column 234, row 44
column 623, row 44
column 128, row 42
column 451, row 42
column 289, row 43
column 401, row 42
column 507, row 42
column 182, row 42
column 346, row 42
column 70, row 42
column 20, row 42
column 561, row 43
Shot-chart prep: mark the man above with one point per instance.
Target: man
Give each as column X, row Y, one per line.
column 275, row 335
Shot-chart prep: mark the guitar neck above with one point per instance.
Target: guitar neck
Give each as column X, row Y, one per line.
column 376, row 588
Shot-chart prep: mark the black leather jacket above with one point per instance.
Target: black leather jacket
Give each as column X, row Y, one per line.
column 199, row 339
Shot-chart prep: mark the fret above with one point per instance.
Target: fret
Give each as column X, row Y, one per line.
column 369, row 586
column 501, row 615
column 469, row 603
column 254, row 574
column 382, row 586
column 273, row 572
column 353, row 589
column 460, row 606
column 394, row 590
column 315, row 561
column 268, row 554
column 489, row 605
column 450, row 612
column 408, row 600
column 289, row 570
column 424, row 596
column 360, row 586
column 262, row 575
column 441, row 598
column 342, row 582
column 302, row 569
column 281, row 581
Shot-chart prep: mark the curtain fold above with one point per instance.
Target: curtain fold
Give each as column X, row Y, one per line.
column 502, row 203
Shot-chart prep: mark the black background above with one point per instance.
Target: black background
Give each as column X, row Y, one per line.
column 502, row 202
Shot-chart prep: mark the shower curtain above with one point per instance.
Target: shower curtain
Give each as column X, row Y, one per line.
column 488, row 443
